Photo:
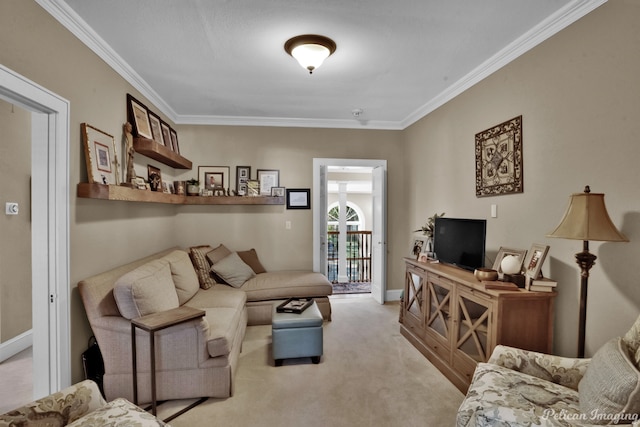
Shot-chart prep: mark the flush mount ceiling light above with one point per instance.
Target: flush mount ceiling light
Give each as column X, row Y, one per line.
column 310, row 50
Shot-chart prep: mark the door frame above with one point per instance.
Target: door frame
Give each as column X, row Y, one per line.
column 319, row 199
column 49, row 228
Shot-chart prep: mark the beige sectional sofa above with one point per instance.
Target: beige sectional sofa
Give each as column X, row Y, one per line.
column 197, row 358
column 80, row 405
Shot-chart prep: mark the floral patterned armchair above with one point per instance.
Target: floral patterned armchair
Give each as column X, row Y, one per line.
column 523, row 388
column 80, row 405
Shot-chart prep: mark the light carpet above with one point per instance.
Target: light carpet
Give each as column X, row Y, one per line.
column 369, row 375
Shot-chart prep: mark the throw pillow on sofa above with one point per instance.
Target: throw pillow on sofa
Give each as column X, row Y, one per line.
column 233, row 270
column 250, row 258
column 183, row 274
column 198, row 255
column 146, row 290
column 218, row 254
column 610, row 388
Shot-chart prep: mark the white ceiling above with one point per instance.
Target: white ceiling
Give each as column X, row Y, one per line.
column 223, row 62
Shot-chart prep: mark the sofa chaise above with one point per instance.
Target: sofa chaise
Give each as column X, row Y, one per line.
column 80, row 405
column 197, row 358
column 524, row 388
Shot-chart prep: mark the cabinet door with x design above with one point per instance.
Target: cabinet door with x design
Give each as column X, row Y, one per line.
column 438, row 314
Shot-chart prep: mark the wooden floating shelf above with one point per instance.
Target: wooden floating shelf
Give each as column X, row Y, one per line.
column 117, row 192
column 152, row 149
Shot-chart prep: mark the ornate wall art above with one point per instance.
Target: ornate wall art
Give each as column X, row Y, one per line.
column 499, row 159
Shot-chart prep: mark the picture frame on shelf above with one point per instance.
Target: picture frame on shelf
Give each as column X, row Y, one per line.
column 174, row 141
column 156, row 128
column 100, row 155
column 268, row 178
column 180, row 187
column 534, row 260
column 243, row 174
column 298, row 198
column 277, row 191
column 253, row 188
column 155, row 178
column 213, row 177
column 499, row 163
column 139, row 117
column 503, row 252
column 166, row 134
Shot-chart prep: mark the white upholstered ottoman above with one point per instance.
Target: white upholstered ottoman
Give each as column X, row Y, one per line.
column 297, row 335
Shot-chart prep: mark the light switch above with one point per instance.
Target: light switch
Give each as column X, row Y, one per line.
column 12, row 208
column 494, row 211
column 287, row 225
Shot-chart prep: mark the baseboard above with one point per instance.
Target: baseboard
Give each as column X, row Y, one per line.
column 15, row 345
column 393, row 295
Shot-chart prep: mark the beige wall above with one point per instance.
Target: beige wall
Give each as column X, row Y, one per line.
column 15, row 257
column 579, row 97
column 291, row 150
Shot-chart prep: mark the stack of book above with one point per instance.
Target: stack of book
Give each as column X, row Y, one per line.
column 542, row 285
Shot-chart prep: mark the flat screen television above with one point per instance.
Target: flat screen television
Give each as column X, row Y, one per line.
column 460, row 241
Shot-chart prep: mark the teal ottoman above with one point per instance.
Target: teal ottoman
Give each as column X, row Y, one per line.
column 297, row 335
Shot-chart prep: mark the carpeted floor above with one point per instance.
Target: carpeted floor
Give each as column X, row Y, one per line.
column 369, row 376
column 351, row 288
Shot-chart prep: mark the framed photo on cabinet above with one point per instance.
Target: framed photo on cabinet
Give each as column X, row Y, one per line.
column 535, row 259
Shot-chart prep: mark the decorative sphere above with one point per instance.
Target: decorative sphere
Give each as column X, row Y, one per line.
column 511, row 264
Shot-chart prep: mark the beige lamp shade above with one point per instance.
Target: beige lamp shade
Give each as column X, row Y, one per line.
column 586, row 218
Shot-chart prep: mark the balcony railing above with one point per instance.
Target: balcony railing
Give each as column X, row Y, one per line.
column 358, row 263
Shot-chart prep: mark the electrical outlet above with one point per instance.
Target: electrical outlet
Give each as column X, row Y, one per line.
column 12, row 208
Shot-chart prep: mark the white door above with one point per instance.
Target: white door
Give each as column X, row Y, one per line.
column 378, row 237
column 322, row 207
column 49, row 229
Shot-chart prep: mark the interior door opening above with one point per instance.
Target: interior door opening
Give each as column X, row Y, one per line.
column 349, row 222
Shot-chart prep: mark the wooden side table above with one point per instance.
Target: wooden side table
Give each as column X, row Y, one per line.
column 153, row 323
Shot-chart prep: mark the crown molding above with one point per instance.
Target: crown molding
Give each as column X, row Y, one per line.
column 79, row 28
column 541, row 32
column 287, row 122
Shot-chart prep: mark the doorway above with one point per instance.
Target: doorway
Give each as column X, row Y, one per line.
column 49, row 229
column 377, row 171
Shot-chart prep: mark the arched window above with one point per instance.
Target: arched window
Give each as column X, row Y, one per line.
column 355, row 217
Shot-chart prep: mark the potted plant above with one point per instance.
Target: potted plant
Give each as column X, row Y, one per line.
column 193, row 187
column 428, row 229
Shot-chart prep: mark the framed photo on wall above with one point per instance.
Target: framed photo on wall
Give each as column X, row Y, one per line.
column 213, row 177
column 100, row 155
column 298, row 198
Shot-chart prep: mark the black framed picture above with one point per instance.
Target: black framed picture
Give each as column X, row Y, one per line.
column 298, row 198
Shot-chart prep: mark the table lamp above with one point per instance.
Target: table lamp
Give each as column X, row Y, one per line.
column 586, row 219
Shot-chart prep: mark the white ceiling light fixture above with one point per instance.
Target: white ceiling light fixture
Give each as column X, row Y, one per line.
column 310, row 50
